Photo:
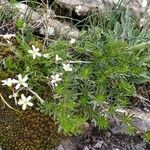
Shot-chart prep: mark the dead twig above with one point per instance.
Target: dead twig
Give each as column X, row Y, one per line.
column 143, row 99
column 2, row 98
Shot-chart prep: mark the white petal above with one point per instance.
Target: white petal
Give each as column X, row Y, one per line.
column 72, row 41
column 53, row 81
column 19, row 77
column 20, row 102
column 17, row 86
column 30, row 104
column 25, row 78
column 15, row 81
column 57, row 76
column 25, row 84
column 67, row 67
column 24, row 107
column 23, row 97
column 36, row 49
column 59, row 79
column 70, row 69
column 33, row 47
column 29, row 98
column 30, row 51
column 55, row 84
column 52, row 76
column 4, row 81
column 57, row 58
column 9, row 80
column 39, row 54
column 34, row 56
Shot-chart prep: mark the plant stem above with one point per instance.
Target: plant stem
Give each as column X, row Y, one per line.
column 140, row 46
column 35, row 94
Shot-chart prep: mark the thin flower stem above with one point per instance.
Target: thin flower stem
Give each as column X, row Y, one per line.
column 2, row 98
column 80, row 62
column 17, row 93
column 35, row 94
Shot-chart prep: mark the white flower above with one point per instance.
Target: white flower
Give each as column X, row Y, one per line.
column 34, row 52
column 8, row 82
column 46, row 55
column 20, row 81
column 57, row 58
column 144, row 3
column 67, row 67
column 55, row 78
column 24, row 101
column 78, row 8
column 72, row 41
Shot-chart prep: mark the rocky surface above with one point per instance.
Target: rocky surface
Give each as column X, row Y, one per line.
column 100, row 140
column 44, row 22
column 116, row 138
column 141, row 8
column 47, row 24
column 140, row 120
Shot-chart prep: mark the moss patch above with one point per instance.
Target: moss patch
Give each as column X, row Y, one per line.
column 27, row 131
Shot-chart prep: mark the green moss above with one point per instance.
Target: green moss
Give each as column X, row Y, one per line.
column 6, row 48
column 27, row 131
column 36, row 42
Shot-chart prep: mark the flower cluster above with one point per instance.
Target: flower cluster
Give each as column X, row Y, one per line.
column 20, row 82
column 17, row 84
column 56, row 78
column 35, row 53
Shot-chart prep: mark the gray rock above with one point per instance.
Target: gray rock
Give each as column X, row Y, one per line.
column 66, row 145
column 139, row 147
column 99, row 144
column 43, row 22
column 140, row 120
column 85, row 148
column 141, row 8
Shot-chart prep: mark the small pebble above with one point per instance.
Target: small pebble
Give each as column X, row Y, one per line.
column 146, row 109
column 98, row 144
column 85, row 148
column 108, row 134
